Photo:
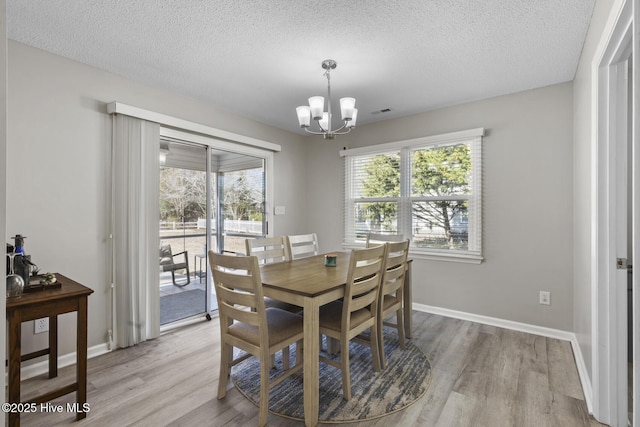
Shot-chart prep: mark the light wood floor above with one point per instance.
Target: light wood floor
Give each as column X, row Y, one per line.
column 482, row 376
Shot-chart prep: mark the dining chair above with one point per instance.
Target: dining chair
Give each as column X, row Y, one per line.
column 377, row 238
column 269, row 250
column 391, row 294
column 303, row 245
column 246, row 323
column 344, row 320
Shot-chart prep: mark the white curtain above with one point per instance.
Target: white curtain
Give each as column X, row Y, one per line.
column 135, row 208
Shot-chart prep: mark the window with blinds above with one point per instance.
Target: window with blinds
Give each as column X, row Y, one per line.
column 428, row 189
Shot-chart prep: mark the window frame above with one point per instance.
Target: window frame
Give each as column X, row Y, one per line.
column 405, row 201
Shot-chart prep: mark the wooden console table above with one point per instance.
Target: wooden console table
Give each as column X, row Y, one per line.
column 69, row 297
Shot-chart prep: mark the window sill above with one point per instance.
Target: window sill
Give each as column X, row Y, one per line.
column 435, row 256
column 415, row 253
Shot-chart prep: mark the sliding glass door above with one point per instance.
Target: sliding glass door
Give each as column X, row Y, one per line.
column 183, row 238
column 211, row 197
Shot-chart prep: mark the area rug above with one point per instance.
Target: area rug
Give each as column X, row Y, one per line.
column 181, row 305
column 375, row 394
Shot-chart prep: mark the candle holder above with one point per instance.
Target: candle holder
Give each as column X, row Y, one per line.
column 330, row 260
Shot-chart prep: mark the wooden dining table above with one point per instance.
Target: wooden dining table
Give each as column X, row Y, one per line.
column 308, row 283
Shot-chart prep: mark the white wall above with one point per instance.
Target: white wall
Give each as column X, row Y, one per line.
column 527, row 193
column 58, row 146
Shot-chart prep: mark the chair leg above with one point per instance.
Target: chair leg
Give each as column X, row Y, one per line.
column 264, row 392
column 173, row 278
column 226, row 355
column 375, row 348
column 400, row 323
column 332, row 346
column 286, row 358
column 346, row 373
column 380, row 349
column 299, row 352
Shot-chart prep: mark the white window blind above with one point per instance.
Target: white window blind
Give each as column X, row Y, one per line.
column 428, row 189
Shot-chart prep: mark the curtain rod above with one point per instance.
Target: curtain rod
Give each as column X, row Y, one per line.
column 163, row 119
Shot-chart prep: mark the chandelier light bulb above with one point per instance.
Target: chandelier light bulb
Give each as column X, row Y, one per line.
column 346, row 108
column 304, row 116
column 324, row 122
column 316, row 104
column 352, row 123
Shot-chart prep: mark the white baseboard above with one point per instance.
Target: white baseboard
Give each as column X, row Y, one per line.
column 585, row 381
column 583, row 373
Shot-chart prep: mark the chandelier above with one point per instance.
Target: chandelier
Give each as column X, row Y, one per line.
column 315, row 110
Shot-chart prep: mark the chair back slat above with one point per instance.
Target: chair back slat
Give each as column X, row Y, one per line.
column 268, row 256
column 378, row 238
column 238, row 314
column 396, row 258
column 303, row 245
column 364, row 293
column 363, row 280
column 367, row 267
column 394, row 279
column 236, row 296
column 238, row 289
column 268, row 250
column 240, row 279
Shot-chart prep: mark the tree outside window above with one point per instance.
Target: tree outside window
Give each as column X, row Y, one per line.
column 439, row 175
column 183, row 195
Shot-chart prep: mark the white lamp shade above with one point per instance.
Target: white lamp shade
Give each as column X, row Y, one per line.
column 324, row 122
column 352, row 123
column 346, row 107
column 316, row 104
column 304, row 116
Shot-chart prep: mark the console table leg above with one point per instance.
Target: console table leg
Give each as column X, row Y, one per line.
column 81, row 362
column 53, row 346
column 15, row 331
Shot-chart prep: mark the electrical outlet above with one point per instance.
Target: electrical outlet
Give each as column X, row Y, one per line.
column 545, row 297
column 41, row 325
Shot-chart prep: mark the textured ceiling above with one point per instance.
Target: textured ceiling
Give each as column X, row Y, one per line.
column 261, row 58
